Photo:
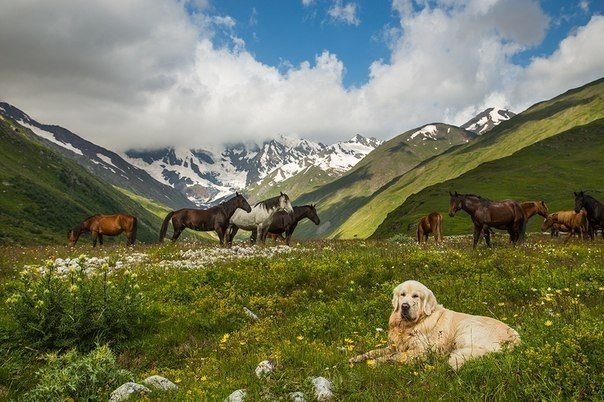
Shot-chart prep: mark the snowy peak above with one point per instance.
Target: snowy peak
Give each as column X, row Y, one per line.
column 208, row 176
column 486, row 120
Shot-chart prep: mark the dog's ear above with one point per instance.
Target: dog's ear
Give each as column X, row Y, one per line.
column 395, row 300
column 429, row 302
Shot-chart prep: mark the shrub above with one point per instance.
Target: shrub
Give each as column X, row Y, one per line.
column 75, row 307
column 73, row 376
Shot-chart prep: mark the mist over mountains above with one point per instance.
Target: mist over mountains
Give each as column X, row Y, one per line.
column 182, row 177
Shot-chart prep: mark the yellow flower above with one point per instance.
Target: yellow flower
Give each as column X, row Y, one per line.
column 549, row 323
column 299, row 337
column 371, row 362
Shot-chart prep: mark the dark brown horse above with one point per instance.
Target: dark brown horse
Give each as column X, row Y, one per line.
column 286, row 223
column 215, row 218
column 110, row 225
column 505, row 215
column 594, row 209
column 431, row 223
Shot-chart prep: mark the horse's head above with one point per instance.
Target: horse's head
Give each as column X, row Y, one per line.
column 454, row 203
column 579, row 201
column 548, row 222
column 241, row 202
column 285, row 204
column 312, row 214
column 542, row 209
column 72, row 237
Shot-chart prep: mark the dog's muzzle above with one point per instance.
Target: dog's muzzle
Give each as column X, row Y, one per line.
column 405, row 310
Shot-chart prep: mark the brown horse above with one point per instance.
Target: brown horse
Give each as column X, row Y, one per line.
column 110, row 225
column 431, row 223
column 505, row 215
column 215, row 218
column 571, row 221
column 532, row 208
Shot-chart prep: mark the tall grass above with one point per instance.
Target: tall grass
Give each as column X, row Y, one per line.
column 319, row 303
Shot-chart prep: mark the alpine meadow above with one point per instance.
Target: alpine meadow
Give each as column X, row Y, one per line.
column 267, row 321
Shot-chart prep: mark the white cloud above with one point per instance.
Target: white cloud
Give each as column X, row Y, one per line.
column 147, row 74
column 345, row 13
column 579, row 59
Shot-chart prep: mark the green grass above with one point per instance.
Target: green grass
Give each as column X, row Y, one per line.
column 550, row 170
column 320, row 303
column 571, row 110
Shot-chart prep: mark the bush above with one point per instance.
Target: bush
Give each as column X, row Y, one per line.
column 73, row 376
column 58, row 307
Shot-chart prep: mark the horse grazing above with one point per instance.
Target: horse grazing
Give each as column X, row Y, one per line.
column 568, row 221
column 505, row 215
column 100, row 225
column 594, row 209
column 431, row 223
column 259, row 218
column 286, row 223
column 215, row 218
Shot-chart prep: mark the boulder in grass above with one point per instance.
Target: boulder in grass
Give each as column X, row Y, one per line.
column 125, row 390
column 264, row 368
column 322, row 388
column 159, row 382
column 236, row 396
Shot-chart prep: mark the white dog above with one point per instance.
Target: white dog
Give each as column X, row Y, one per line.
column 419, row 324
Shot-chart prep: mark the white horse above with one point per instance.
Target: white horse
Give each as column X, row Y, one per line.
column 260, row 217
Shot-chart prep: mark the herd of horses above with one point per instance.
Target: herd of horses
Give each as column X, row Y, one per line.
column 510, row 215
column 276, row 216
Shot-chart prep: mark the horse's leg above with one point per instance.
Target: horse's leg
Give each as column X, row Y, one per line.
column 221, row 232
column 94, row 238
column 177, row 231
column 487, row 235
column 261, row 233
column 231, row 232
column 477, row 233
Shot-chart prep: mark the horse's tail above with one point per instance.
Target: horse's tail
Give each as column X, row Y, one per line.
column 134, row 230
column 164, row 226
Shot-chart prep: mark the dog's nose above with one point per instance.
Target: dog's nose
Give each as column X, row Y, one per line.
column 405, row 306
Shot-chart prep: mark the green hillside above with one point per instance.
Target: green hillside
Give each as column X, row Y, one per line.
column 550, row 170
column 337, row 200
column 574, row 108
column 44, row 194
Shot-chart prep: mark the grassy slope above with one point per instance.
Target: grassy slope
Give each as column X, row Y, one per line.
column 546, row 119
column 549, row 170
column 45, row 194
column 337, row 200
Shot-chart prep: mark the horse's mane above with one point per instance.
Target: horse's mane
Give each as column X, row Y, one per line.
column 477, row 196
column 270, row 203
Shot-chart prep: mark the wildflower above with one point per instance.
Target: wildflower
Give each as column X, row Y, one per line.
column 549, row 323
column 299, row 337
column 371, row 362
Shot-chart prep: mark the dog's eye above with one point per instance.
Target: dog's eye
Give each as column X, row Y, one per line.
column 403, row 294
column 415, row 296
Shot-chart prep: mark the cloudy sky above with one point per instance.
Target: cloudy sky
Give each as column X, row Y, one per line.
column 145, row 74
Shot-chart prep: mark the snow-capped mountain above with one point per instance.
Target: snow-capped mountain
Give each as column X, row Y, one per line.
column 104, row 163
column 487, row 119
column 207, row 176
